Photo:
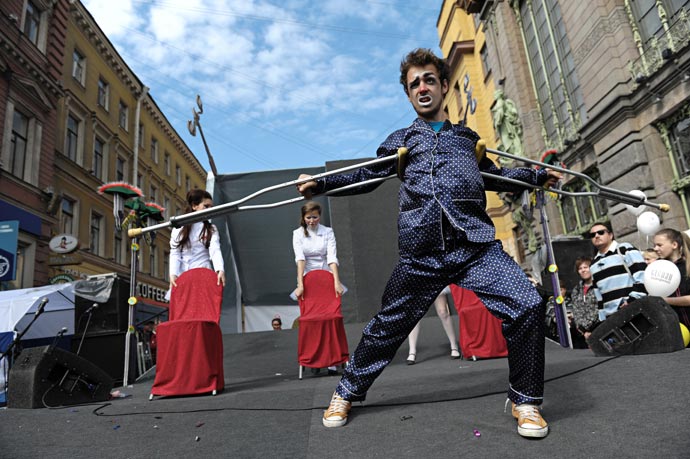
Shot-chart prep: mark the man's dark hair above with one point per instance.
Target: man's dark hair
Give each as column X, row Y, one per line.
column 606, row 225
column 419, row 58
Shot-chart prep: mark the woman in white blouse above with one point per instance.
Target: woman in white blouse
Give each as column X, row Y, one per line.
column 315, row 248
column 196, row 245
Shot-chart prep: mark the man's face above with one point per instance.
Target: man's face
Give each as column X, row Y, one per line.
column 601, row 237
column 425, row 90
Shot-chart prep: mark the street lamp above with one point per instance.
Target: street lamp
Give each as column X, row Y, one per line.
column 193, row 124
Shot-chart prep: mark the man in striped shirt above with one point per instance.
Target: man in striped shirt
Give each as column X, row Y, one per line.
column 617, row 271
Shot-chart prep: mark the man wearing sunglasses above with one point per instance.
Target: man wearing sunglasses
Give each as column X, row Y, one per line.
column 617, row 271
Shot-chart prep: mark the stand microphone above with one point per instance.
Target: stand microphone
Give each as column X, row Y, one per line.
column 39, row 311
column 62, row 331
column 41, row 306
column 89, row 311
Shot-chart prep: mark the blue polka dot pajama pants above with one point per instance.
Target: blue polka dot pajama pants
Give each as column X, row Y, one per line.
column 481, row 267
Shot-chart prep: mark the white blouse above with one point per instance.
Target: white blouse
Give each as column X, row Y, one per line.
column 195, row 254
column 318, row 250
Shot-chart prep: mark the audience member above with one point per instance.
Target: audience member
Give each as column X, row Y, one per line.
column 441, row 304
column 650, row 255
column 617, row 271
column 672, row 245
column 276, row 323
column 583, row 299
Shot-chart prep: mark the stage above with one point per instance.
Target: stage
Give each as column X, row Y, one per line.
column 630, row 406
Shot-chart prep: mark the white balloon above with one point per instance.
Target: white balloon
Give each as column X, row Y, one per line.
column 636, row 210
column 661, row 278
column 648, row 223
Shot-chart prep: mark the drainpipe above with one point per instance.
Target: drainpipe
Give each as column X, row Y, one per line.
column 137, row 116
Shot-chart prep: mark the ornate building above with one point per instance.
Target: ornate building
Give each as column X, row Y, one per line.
column 75, row 117
column 607, row 84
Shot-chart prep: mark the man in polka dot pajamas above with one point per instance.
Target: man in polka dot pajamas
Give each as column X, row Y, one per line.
column 445, row 236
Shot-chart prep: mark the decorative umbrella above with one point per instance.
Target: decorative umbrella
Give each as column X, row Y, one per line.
column 121, row 192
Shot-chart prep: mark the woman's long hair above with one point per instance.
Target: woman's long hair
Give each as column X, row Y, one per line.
column 194, row 198
column 683, row 242
column 308, row 207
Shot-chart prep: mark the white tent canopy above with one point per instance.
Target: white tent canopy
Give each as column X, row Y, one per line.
column 17, row 309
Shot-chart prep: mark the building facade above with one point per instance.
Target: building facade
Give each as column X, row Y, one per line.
column 96, row 123
column 606, row 84
column 32, row 37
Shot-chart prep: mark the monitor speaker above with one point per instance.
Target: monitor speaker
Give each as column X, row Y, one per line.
column 645, row 326
column 107, row 351
column 48, row 376
column 111, row 316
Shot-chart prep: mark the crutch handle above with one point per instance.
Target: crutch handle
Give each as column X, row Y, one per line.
column 134, row 232
column 402, row 161
column 480, row 150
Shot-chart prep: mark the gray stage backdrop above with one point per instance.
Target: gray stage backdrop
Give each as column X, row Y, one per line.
column 257, row 244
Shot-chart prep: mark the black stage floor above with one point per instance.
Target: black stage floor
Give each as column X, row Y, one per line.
column 630, row 406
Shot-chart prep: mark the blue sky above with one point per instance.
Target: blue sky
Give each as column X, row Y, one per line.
column 285, row 83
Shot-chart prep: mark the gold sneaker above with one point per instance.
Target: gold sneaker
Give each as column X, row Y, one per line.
column 336, row 414
column 530, row 422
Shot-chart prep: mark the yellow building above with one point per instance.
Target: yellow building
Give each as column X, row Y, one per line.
column 111, row 130
column 470, row 98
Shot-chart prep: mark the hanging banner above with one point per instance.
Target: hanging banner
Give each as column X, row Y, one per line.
column 9, row 236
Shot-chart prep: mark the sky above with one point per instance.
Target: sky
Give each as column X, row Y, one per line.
column 284, row 84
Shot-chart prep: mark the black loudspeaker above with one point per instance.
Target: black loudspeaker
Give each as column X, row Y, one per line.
column 111, row 316
column 645, row 326
column 48, row 376
column 107, row 351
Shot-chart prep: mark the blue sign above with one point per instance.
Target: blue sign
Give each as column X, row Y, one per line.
column 9, row 235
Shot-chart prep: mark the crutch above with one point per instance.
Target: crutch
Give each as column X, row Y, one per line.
column 205, row 214
column 600, row 190
column 565, row 340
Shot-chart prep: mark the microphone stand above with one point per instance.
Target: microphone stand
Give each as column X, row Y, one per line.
column 81, row 341
column 16, row 340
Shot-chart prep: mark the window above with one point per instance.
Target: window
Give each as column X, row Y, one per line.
column 166, row 160
column 153, row 261
column 166, row 266
column 32, row 22
column 154, row 193
column 103, row 94
column 78, row 67
column 154, row 150
column 20, row 139
column 97, row 166
column 141, row 135
column 67, row 215
column 581, row 212
column 178, row 175
column 166, row 205
column 486, row 66
column 187, row 183
column 140, row 182
column 96, row 232
column 120, row 171
column 650, row 16
column 117, row 248
column 123, row 116
column 553, row 71
column 20, row 135
column 25, row 261
column 72, row 138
